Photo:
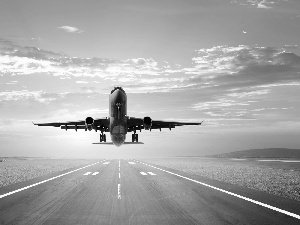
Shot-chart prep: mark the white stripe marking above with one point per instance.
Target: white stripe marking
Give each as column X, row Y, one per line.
column 88, row 173
column 131, row 162
column 106, row 163
column 151, row 173
column 143, row 173
column 119, row 191
column 24, row 188
column 275, row 160
column 233, row 194
column 119, row 175
column 95, row 173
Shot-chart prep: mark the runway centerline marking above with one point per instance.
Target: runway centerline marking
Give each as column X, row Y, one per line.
column 106, row 163
column 131, row 162
column 231, row 193
column 119, row 191
column 95, row 173
column 44, row 181
column 143, row 173
column 119, row 185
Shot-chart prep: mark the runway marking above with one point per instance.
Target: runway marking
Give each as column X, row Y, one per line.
column 153, row 174
column 119, row 191
column 119, row 175
column 144, row 173
column 87, row 173
column 95, row 173
column 131, row 162
column 44, row 181
column 231, row 193
column 106, row 163
column 277, row 160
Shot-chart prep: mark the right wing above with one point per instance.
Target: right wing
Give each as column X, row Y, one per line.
column 139, row 123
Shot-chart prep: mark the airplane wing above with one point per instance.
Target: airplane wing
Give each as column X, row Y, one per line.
column 88, row 124
column 148, row 124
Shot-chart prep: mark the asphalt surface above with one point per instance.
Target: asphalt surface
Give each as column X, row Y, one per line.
column 133, row 192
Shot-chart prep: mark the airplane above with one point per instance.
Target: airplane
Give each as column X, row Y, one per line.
column 118, row 123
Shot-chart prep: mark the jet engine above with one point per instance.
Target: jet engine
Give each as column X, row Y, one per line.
column 89, row 123
column 147, row 123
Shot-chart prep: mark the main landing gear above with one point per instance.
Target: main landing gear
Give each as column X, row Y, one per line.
column 102, row 137
column 135, row 137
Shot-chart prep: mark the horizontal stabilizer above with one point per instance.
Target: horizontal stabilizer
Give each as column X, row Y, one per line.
column 103, row 143
column 125, row 143
column 133, row 143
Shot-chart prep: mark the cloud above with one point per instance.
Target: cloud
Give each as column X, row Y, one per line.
column 245, row 64
column 243, row 94
column 260, row 4
column 232, row 79
column 19, row 60
column 218, row 67
column 25, row 95
column 70, row 29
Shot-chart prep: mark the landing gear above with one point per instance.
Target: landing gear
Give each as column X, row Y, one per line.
column 102, row 137
column 135, row 137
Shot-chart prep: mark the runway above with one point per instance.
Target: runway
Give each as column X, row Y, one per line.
column 135, row 192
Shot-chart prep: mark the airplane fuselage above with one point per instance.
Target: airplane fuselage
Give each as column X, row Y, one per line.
column 118, row 116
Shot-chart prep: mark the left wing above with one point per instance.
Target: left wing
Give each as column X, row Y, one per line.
column 88, row 124
column 148, row 124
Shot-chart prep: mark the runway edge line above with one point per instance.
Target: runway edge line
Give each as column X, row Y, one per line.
column 231, row 193
column 44, row 181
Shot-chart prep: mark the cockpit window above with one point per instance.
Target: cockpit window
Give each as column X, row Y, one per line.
column 117, row 88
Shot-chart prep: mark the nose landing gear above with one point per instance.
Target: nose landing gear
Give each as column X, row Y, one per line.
column 102, row 137
column 135, row 137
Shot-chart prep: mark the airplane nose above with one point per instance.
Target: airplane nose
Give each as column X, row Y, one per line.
column 119, row 96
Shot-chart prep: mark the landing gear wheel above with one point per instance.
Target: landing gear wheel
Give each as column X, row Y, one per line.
column 102, row 137
column 135, row 137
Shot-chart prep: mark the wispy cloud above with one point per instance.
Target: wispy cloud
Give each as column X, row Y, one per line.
column 234, row 67
column 247, row 64
column 39, row 96
column 70, row 29
column 16, row 59
column 260, row 4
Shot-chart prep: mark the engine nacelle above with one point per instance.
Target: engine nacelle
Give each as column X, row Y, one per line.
column 147, row 123
column 89, row 123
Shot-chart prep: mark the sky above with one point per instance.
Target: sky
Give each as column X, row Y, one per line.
column 233, row 63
